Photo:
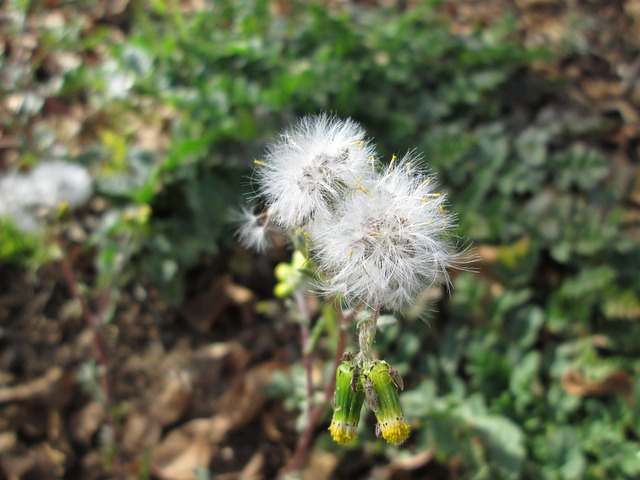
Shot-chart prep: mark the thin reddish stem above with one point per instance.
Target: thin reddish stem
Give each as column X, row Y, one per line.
column 315, row 413
column 93, row 321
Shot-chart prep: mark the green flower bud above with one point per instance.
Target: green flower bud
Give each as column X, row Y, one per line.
column 381, row 385
column 348, row 401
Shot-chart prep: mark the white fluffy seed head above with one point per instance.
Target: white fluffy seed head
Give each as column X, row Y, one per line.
column 25, row 197
column 385, row 243
column 309, row 168
column 57, row 182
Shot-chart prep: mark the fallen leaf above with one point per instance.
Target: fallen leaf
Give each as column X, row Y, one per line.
column 618, row 382
column 183, row 450
column 411, row 463
column 245, row 398
column 8, row 441
column 141, row 431
column 229, row 356
column 270, row 426
column 55, row 388
column 86, row 422
column 202, row 311
column 56, row 459
column 538, row 3
column 320, row 465
column 599, row 89
column 41, row 463
column 169, row 406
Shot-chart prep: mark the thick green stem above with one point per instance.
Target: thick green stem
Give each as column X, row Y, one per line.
column 366, row 336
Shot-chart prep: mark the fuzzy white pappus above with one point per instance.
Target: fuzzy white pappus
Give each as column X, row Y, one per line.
column 25, row 197
column 253, row 231
column 385, row 243
column 55, row 182
column 310, row 167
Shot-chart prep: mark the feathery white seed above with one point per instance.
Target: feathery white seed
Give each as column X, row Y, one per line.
column 253, row 232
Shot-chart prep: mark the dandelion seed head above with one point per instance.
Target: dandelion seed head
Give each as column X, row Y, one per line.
column 56, row 182
column 310, row 166
column 385, row 246
column 26, row 197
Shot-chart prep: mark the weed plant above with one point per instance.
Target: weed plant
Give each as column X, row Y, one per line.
column 529, row 369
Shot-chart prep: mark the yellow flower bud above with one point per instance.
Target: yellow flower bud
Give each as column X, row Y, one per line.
column 348, row 401
column 381, row 384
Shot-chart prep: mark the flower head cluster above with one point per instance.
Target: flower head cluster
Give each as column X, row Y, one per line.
column 375, row 233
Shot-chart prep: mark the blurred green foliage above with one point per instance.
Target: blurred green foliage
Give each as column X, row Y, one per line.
column 23, row 248
column 531, row 368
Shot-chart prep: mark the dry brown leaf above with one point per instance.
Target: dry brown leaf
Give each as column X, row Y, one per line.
column 245, row 398
column 543, row 28
column 251, row 470
column 410, row 463
column 321, row 465
column 6, row 377
column 8, row 441
column 55, row 388
column 109, row 8
column 183, row 450
column 231, row 356
column 174, row 399
column 56, row 459
column 465, row 16
column 212, row 367
column 41, row 462
column 15, row 466
column 142, row 431
column 238, row 294
column 600, row 89
column 150, row 137
column 85, row 423
column 575, row 383
column 202, row 311
column 632, row 8
column 270, row 426
column 538, row 3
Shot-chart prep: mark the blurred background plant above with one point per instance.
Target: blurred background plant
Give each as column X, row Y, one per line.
column 527, row 115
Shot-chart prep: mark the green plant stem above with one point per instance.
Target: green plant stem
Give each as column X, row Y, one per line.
column 366, row 335
column 315, row 415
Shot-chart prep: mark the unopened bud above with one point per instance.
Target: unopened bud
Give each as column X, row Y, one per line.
column 348, row 401
column 381, row 384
